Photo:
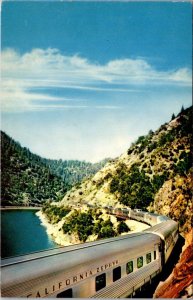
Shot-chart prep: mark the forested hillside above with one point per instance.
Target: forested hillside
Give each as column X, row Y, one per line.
column 155, row 174
column 74, row 171
column 27, row 179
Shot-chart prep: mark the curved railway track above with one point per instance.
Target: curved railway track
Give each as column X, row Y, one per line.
column 109, row 268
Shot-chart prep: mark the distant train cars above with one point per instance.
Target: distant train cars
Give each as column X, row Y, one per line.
column 110, row 268
column 137, row 214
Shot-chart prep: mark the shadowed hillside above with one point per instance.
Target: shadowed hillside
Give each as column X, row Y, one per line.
column 27, row 179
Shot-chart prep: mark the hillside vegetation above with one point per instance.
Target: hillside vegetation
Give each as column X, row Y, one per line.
column 83, row 224
column 154, row 174
column 27, row 179
column 74, row 171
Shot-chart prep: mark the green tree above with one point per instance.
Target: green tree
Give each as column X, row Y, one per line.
column 182, row 109
column 173, row 116
column 107, row 232
column 122, row 227
column 183, row 166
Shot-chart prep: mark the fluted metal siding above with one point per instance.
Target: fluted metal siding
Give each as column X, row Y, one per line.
column 122, row 286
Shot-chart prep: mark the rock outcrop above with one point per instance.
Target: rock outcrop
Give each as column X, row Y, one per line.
column 180, row 283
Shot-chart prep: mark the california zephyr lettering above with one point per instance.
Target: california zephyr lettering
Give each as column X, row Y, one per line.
column 72, row 280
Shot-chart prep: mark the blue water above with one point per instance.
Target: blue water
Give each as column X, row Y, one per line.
column 22, row 233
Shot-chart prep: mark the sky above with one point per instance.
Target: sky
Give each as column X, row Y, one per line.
column 82, row 80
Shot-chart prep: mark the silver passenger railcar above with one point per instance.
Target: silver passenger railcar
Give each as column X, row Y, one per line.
column 109, row 268
column 168, row 232
column 154, row 219
column 151, row 219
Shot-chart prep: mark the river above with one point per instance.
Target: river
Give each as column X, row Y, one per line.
column 22, row 233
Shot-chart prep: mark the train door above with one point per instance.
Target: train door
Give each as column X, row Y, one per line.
column 161, row 249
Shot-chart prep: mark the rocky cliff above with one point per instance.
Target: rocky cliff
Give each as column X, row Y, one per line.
column 180, row 283
column 155, row 173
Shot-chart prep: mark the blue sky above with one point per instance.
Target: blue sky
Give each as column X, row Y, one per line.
column 82, row 80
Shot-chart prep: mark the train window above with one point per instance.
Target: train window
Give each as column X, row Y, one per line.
column 148, row 258
column 116, row 273
column 100, row 282
column 154, row 254
column 140, row 262
column 129, row 267
column 65, row 294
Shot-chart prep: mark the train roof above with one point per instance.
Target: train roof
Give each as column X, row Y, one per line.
column 73, row 257
column 163, row 229
column 65, row 249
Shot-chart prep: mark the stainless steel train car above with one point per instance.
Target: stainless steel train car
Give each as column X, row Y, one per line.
column 114, row 267
column 110, row 268
column 138, row 215
column 154, row 219
column 168, row 232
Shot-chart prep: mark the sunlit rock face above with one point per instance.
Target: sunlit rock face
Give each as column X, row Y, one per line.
column 155, row 173
column 180, row 283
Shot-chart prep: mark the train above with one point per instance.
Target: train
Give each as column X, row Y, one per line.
column 109, row 268
column 136, row 214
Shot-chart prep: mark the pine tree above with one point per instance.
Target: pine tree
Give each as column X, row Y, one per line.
column 182, row 109
column 173, row 117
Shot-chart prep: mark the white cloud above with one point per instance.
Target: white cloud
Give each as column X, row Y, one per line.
column 22, row 74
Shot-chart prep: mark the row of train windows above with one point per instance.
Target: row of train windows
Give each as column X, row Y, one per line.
column 100, row 280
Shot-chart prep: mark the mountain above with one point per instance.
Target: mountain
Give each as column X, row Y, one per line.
column 25, row 179
column 28, row 179
column 74, row 171
column 155, row 173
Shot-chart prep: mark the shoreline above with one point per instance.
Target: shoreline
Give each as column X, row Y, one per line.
column 54, row 230
column 20, row 207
